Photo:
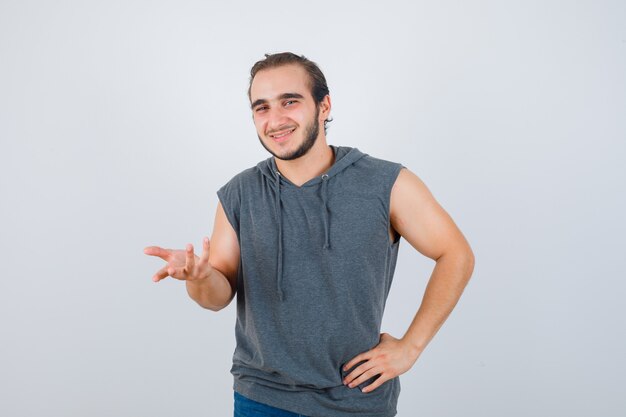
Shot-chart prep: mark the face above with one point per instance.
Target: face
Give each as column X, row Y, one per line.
column 286, row 117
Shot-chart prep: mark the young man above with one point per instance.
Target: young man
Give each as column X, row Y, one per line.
column 308, row 240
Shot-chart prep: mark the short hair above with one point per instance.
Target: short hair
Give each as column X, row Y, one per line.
column 317, row 81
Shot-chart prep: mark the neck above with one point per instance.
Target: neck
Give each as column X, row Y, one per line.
column 314, row 163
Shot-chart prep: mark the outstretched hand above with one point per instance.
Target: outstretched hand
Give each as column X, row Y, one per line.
column 390, row 358
column 182, row 264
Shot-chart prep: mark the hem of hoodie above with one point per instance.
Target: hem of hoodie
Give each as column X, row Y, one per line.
column 268, row 396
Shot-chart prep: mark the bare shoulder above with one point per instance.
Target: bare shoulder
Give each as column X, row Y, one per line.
column 418, row 217
column 409, row 184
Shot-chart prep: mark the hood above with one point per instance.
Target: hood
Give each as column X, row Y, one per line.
column 344, row 158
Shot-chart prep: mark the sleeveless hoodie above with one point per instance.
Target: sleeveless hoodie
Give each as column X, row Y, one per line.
column 315, row 270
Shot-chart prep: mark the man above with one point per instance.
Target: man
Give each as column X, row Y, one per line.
column 308, row 241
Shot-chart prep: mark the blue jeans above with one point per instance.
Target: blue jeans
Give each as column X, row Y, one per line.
column 245, row 407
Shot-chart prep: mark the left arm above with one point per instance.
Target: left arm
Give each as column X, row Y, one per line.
column 417, row 217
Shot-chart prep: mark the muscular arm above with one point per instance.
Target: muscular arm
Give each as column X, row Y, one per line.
column 417, row 216
column 218, row 289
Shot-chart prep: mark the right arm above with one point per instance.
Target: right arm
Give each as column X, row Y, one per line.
column 211, row 279
column 216, row 290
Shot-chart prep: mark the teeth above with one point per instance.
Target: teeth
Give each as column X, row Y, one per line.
column 283, row 134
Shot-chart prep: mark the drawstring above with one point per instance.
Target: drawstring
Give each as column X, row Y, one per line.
column 279, row 262
column 344, row 158
column 279, row 219
column 325, row 211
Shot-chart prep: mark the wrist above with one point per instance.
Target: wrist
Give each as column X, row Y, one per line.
column 413, row 348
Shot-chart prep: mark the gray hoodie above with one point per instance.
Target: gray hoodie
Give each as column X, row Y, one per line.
column 315, row 270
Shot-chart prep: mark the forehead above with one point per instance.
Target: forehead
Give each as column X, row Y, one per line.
column 272, row 82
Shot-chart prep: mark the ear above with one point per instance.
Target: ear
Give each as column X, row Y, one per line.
column 325, row 108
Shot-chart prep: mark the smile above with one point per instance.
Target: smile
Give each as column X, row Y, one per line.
column 282, row 135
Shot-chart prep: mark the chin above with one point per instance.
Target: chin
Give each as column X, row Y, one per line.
column 293, row 148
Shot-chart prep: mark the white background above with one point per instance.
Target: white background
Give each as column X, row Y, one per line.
column 120, row 119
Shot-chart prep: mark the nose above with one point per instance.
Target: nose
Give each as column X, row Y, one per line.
column 277, row 118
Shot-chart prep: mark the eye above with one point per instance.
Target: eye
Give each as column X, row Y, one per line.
column 260, row 108
column 289, row 102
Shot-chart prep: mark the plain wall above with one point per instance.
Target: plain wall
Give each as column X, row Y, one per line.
column 120, row 119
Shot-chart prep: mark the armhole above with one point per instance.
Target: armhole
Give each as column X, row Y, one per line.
column 394, row 177
column 230, row 215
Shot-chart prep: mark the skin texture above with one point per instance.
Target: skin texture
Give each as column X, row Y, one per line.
column 311, row 133
column 275, row 111
column 211, row 279
column 281, row 101
column 272, row 114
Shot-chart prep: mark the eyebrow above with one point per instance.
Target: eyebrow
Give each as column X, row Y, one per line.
column 281, row 97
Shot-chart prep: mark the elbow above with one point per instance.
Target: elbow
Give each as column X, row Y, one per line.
column 463, row 258
column 469, row 260
column 214, row 307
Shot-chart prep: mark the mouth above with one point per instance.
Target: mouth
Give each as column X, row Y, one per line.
column 282, row 135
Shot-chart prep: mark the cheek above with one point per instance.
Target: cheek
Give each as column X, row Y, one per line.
column 259, row 123
column 297, row 118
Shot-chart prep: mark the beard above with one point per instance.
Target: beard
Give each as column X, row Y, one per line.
column 310, row 137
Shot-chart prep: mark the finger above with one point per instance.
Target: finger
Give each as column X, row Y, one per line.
column 360, row 370
column 365, row 376
column 178, row 273
column 205, row 250
column 160, row 274
column 191, row 262
column 157, row 251
column 359, row 358
column 379, row 381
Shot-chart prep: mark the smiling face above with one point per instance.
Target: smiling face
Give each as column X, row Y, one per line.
column 286, row 117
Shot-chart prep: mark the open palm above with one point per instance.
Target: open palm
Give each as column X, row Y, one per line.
column 182, row 264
